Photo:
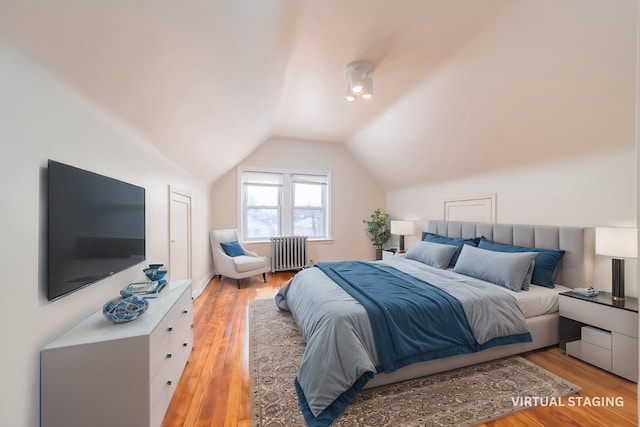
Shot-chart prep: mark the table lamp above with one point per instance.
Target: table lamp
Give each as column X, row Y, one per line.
column 402, row 228
column 618, row 243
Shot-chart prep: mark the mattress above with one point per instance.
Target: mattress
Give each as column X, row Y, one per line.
column 539, row 300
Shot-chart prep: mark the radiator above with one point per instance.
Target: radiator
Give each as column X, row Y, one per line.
column 288, row 253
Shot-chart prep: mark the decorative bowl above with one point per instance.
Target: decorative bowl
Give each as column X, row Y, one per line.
column 155, row 266
column 125, row 308
column 154, row 273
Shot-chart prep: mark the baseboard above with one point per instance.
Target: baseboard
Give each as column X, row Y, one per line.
column 197, row 290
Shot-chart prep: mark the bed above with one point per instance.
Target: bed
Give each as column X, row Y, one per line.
column 348, row 347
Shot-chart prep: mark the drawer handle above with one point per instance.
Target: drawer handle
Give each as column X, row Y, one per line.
column 168, row 355
column 184, row 344
column 170, row 328
column 192, row 326
column 185, row 311
column 169, row 382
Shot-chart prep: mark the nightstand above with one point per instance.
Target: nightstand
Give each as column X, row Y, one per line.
column 389, row 253
column 601, row 332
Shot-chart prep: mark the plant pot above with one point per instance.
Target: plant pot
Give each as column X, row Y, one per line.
column 378, row 254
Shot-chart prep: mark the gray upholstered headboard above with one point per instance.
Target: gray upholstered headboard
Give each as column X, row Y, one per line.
column 576, row 267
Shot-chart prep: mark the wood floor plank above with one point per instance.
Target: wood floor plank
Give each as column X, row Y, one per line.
column 214, row 388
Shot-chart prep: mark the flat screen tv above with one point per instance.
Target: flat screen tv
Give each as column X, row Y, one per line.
column 96, row 228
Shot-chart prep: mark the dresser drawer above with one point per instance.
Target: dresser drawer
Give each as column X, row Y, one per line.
column 171, row 334
column 161, row 391
column 160, row 346
column 176, row 354
column 183, row 321
column 166, row 381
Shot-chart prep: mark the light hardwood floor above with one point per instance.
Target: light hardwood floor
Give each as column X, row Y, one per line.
column 214, row 388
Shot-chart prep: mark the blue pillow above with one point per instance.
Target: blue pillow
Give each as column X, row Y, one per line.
column 455, row 241
column 232, row 248
column 546, row 260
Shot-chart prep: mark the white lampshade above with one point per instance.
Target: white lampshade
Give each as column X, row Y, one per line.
column 356, row 81
column 349, row 97
column 367, row 91
column 402, row 228
column 617, row 242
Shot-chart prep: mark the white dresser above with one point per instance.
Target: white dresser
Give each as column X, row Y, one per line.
column 104, row 374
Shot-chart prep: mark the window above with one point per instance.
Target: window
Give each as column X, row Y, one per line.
column 283, row 203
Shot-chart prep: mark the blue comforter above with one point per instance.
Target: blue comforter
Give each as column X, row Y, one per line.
column 412, row 321
column 406, row 320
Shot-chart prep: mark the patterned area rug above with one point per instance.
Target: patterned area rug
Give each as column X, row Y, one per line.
column 463, row 397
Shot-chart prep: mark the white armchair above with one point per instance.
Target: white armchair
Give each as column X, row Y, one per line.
column 237, row 267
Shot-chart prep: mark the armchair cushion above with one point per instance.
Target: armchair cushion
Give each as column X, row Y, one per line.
column 233, row 249
column 247, row 263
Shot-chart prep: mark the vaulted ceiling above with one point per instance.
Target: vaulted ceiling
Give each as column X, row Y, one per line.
column 460, row 86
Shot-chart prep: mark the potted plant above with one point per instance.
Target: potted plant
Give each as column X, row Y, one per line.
column 378, row 230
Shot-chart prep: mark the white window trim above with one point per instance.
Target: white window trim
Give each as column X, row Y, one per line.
column 286, row 192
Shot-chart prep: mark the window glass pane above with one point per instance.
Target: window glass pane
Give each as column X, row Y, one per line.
column 262, row 223
column 308, row 195
column 262, row 196
column 308, row 222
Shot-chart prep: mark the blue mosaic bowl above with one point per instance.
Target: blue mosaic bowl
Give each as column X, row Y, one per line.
column 125, row 308
column 155, row 273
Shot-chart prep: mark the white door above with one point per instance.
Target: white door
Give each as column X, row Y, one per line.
column 179, row 234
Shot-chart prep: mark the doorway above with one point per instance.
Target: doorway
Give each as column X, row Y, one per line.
column 179, row 234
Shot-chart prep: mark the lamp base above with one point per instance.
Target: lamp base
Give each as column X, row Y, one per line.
column 617, row 282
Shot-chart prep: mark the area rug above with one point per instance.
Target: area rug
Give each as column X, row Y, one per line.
column 463, row 397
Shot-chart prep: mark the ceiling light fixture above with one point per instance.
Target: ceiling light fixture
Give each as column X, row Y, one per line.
column 359, row 80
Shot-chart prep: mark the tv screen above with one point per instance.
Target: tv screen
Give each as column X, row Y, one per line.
column 96, row 228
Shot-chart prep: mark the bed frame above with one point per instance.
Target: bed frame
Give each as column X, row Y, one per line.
column 574, row 270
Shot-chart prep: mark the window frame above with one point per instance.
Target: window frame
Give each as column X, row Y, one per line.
column 277, row 207
column 299, row 179
column 286, row 202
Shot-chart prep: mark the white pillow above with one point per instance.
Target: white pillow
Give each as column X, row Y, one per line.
column 507, row 269
column 434, row 254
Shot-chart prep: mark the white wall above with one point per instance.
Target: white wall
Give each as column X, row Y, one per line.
column 637, row 157
column 540, row 109
column 542, row 116
column 546, row 81
column 41, row 119
column 585, row 191
column 355, row 195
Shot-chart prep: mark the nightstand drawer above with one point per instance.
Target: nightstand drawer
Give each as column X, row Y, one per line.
column 596, row 337
column 574, row 348
column 624, row 361
column 601, row 316
column 598, row 356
